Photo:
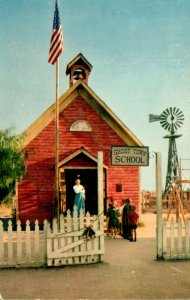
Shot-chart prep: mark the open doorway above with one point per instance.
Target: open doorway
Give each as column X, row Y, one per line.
column 88, row 179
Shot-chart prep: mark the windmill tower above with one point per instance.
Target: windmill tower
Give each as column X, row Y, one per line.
column 170, row 119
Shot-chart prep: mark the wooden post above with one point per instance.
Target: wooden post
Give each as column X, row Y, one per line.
column 100, row 203
column 28, row 242
column 164, row 237
column 10, row 243
column 172, row 238
column 57, row 142
column 19, row 242
column 37, row 242
column 1, row 243
column 100, row 183
column 159, row 206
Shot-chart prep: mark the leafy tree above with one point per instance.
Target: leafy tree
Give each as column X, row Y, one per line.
column 12, row 163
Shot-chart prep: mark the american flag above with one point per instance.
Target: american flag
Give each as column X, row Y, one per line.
column 56, row 43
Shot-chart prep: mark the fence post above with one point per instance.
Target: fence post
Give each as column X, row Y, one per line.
column 19, row 243
column 37, row 242
column 10, row 242
column 187, row 239
column 164, row 237
column 179, row 224
column 49, row 244
column 172, row 238
column 1, row 243
column 100, row 182
column 100, row 200
column 159, row 206
column 45, row 240
column 28, row 241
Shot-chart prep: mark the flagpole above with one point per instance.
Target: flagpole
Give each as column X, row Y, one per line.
column 56, row 47
column 57, row 140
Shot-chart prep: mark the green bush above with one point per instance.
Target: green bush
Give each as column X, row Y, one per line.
column 12, row 163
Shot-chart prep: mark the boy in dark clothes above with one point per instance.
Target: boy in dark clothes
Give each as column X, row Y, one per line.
column 113, row 223
column 125, row 220
column 133, row 218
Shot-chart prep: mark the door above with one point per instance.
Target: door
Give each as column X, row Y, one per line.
column 62, row 191
column 88, row 179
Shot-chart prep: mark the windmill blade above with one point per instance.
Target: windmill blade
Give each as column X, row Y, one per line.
column 153, row 118
column 180, row 117
column 168, row 111
column 178, row 111
column 179, row 123
column 164, row 125
column 168, row 126
column 164, row 115
column 180, row 120
column 174, row 110
column 177, row 126
column 163, row 122
column 180, row 114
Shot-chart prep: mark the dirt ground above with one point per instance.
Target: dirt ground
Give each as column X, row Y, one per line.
column 129, row 271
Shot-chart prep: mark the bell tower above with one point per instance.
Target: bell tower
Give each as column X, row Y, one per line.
column 78, row 68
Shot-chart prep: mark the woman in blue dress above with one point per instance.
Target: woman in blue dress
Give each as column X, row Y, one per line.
column 79, row 196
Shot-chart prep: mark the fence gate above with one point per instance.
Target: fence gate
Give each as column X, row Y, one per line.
column 176, row 239
column 71, row 244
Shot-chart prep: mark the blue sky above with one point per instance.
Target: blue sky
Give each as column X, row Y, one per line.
column 139, row 49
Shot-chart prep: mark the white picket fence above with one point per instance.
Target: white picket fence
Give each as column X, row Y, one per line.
column 23, row 247
column 52, row 246
column 69, row 245
column 176, row 239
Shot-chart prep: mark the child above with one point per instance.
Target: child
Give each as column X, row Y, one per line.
column 107, row 220
column 125, row 220
column 113, row 223
column 133, row 217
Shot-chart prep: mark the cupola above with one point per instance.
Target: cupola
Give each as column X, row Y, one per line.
column 78, row 68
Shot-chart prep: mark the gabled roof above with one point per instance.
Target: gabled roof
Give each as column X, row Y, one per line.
column 79, row 60
column 82, row 89
column 76, row 153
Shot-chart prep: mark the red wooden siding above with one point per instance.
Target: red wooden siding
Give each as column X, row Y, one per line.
column 36, row 191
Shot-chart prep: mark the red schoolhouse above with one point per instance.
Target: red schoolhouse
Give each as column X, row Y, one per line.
column 86, row 125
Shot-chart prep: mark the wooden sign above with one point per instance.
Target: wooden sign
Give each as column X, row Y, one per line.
column 129, row 156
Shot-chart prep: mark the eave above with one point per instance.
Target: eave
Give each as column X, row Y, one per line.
column 80, row 88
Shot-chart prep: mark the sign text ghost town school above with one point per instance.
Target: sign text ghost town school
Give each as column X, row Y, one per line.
column 129, row 156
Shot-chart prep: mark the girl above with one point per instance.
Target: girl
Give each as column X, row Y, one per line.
column 133, row 218
column 79, row 196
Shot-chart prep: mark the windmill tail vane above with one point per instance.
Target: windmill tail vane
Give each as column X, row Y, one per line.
column 153, row 118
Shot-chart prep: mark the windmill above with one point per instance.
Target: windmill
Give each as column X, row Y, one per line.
column 171, row 119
